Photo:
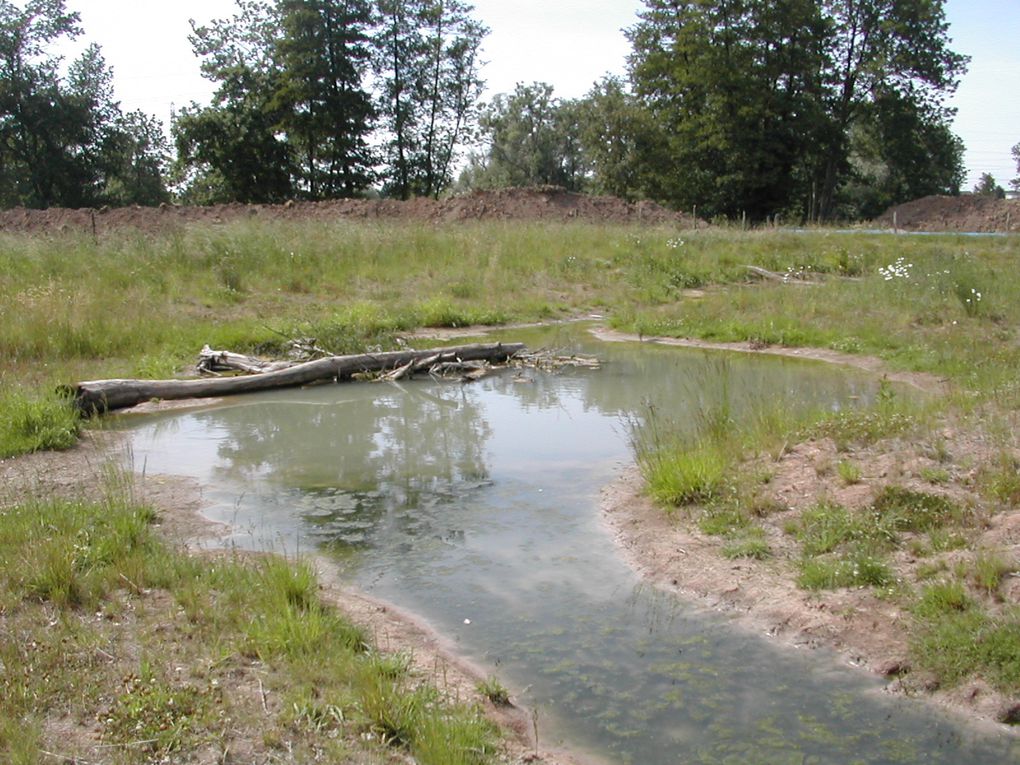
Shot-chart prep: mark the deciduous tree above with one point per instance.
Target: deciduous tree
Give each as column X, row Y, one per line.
column 63, row 138
column 533, row 139
column 428, row 67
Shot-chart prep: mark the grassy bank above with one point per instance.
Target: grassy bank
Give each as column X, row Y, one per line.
column 117, row 648
column 143, row 305
column 132, row 305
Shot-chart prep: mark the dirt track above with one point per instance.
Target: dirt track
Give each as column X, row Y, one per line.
column 532, row 204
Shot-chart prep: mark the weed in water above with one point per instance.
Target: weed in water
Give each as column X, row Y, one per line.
column 494, row 691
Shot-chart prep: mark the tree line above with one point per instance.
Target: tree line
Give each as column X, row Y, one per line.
column 808, row 109
column 805, row 109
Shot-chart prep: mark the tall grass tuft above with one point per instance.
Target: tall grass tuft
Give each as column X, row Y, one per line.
column 36, row 423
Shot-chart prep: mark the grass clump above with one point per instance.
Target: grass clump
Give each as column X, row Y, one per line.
column 36, row 423
column 848, row 472
column 750, row 545
column 860, row 567
column 988, row 570
column 492, row 689
column 682, row 474
column 908, row 510
column 956, row 640
column 161, row 715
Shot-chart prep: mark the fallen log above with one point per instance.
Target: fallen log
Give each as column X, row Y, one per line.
column 95, row 396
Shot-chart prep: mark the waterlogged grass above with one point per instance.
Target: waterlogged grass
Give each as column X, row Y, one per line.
column 85, row 585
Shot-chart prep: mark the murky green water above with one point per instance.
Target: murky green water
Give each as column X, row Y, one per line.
column 477, row 508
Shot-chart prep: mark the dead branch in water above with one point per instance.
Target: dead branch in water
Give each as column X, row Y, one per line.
column 107, row 395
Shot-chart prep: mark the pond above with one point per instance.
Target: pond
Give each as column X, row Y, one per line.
column 477, row 508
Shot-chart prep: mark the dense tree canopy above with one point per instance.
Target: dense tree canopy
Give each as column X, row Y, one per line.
column 63, row 139
column 796, row 106
column 294, row 114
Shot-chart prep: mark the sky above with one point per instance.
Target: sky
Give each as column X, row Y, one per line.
column 568, row 43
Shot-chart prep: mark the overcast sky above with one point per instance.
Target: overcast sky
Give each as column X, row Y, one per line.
column 567, row 43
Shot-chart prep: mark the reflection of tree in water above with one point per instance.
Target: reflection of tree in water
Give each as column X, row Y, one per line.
column 362, row 462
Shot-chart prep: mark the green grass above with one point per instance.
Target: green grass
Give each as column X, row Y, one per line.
column 859, row 567
column 907, row 510
column 65, row 563
column 960, row 641
column 36, row 422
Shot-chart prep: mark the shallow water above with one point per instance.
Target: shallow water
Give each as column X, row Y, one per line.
column 476, row 507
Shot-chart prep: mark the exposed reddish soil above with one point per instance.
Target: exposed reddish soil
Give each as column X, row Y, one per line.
column 967, row 212
column 545, row 203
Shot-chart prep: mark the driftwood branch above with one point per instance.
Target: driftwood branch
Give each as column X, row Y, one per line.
column 107, row 395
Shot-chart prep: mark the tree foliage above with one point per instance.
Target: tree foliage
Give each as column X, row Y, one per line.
column 533, row 139
column 795, row 106
column 294, row 114
column 63, row 138
column 987, row 187
column 430, row 75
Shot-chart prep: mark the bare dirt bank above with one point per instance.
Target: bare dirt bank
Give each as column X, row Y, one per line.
column 971, row 213
column 544, row 203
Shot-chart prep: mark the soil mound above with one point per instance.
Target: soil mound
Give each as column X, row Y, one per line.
column 967, row 212
column 544, row 203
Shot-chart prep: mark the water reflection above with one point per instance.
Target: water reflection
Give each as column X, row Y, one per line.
column 476, row 507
